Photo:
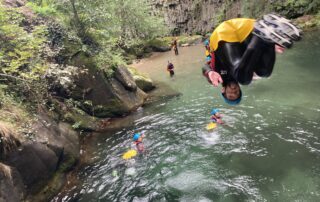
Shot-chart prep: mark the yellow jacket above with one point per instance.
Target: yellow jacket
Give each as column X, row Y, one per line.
column 234, row 30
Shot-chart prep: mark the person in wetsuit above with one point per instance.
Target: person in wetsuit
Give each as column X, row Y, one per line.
column 239, row 48
column 137, row 138
column 175, row 46
column 170, row 68
column 216, row 116
column 207, row 47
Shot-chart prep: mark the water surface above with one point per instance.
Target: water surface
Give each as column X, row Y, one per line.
column 269, row 149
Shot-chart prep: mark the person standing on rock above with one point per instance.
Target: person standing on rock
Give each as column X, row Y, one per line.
column 241, row 47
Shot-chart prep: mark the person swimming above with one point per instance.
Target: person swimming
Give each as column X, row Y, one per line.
column 216, row 116
column 170, row 68
column 137, row 138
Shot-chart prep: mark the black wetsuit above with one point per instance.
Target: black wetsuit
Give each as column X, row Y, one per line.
column 238, row 61
column 175, row 47
column 170, row 68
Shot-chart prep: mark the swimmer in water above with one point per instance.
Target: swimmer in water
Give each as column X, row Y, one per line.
column 137, row 138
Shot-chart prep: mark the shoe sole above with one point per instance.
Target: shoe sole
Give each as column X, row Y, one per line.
column 268, row 33
column 284, row 26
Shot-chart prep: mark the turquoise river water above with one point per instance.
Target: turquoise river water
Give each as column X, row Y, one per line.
column 268, row 150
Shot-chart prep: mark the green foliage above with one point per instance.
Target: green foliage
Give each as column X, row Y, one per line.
column 21, row 62
column 110, row 30
column 185, row 39
column 115, row 25
column 160, row 42
column 254, row 8
column 43, row 8
column 295, row 8
column 20, row 51
column 94, row 34
column 13, row 111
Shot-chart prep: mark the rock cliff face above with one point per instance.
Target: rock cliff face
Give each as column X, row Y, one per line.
column 201, row 16
column 108, row 97
column 189, row 16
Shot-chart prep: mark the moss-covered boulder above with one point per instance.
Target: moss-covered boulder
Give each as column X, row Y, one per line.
column 97, row 93
column 142, row 81
column 189, row 40
column 160, row 44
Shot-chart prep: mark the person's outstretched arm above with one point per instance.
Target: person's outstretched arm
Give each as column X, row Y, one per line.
column 213, row 77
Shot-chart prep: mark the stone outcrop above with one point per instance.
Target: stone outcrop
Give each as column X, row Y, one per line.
column 35, row 162
column 32, row 163
column 142, row 81
column 11, row 185
column 100, row 95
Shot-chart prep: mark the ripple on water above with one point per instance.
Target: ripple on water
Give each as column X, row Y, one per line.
column 195, row 185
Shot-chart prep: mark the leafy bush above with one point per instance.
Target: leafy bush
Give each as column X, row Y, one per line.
column 20, row 51
column 296, row 8
column 44, row 9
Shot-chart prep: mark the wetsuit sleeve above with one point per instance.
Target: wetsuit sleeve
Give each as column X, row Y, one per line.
column 205, row 71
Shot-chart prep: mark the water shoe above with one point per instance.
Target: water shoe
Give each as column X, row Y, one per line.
column 283, row 26
column 267, row 31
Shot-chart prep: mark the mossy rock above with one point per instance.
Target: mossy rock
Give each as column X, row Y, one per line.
column 160, row 44
column 142, row 81
column 194, row 39
column 81, row 121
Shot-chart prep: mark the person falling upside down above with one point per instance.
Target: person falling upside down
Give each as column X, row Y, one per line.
column 241, row 47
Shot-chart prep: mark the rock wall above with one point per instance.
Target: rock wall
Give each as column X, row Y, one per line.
column 97, row 94
column 201, row 16
column 196, row 17
column 188, row 16
column 29, row 165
